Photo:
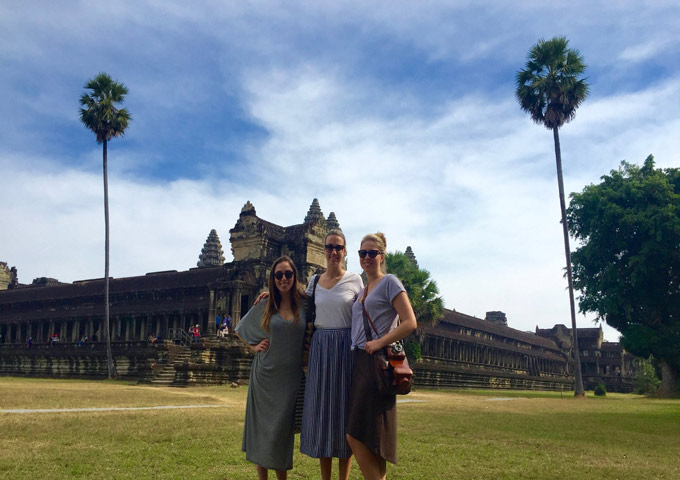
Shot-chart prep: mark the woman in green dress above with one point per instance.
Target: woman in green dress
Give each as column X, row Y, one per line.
column 274, row 330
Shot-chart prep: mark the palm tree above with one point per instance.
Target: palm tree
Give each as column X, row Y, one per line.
column 550, row 91
column 101, row 115
column 421, row 289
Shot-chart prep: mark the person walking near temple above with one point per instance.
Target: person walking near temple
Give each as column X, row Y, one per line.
column 274, row 331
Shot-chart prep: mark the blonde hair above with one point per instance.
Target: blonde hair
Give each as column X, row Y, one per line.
column 378, row 238
column 297, row 295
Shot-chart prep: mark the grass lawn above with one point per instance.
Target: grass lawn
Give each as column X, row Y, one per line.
column 442, row 434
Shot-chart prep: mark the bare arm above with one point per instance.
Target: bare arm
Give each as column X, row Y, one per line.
column 262, row 346
column 261, row 297
column 408, row 324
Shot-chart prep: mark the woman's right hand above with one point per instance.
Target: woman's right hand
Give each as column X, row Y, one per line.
column 263, row 346
column 261, row 296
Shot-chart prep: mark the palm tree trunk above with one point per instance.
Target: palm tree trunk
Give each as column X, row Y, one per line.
column 669, row 379
column 107, row 329
column 578, row 378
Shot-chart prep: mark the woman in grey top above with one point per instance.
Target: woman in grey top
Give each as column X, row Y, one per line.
column 274, row 330
column 372, row 419
column 330, row 362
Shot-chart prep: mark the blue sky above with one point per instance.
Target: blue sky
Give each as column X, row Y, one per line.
column 397, row 116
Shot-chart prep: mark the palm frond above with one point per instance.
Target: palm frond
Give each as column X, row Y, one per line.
column 100, row 113
column 549, row 87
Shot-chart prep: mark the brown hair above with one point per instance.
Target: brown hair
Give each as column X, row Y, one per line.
column 378, row 238
column 274, row 301
column 337, row 232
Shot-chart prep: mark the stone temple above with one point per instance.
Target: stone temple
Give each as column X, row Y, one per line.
column 461, row 351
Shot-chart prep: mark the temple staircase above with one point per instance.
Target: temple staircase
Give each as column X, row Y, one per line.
column 167, row 377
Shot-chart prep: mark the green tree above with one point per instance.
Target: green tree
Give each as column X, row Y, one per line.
column 647, row 380
column 550, row 90
column 421, row 289
column 628, row 267
column 100, row 113
column 422, row 292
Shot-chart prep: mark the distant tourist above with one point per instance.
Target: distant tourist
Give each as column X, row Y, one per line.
column 372, row 421
column 227, row 324
column 29, row 342
column 274, row 330
column 218, row 322
column 153, row 339
column 82, row 340
column 196, row 333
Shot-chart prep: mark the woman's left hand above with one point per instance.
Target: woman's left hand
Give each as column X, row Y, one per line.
column 373, row 346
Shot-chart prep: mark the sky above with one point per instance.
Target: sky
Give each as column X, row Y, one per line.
column 398, row 116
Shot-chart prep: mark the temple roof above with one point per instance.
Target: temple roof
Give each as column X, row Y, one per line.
column 457, row 318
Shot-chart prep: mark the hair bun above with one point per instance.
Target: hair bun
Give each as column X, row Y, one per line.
column 381, row 236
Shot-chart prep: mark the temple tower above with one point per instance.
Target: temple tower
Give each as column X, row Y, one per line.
column 261, row 242
column 211, row 254
column 409, row 253
column 332, row 222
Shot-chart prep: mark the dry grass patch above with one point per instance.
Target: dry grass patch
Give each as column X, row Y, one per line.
column 448, row 435
column 47, row 393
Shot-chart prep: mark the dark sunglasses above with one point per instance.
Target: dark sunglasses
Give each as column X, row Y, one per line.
column 370, row 253
column 338, row 248
column 288, row 273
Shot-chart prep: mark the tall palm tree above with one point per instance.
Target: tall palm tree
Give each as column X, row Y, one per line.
column 550, row 90
column 101, row 115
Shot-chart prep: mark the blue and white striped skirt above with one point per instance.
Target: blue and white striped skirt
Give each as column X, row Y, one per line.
column 327, row 394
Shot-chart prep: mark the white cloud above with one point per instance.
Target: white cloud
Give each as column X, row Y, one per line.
column 463, row 178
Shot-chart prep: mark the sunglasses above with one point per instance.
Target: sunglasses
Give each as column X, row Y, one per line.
column 330, row 247
column 370, row 253
column 288, row 274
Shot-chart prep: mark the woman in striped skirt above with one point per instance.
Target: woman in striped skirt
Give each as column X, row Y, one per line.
column 330, row 362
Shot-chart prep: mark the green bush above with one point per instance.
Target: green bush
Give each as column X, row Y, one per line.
column 600, row 390
column 412, row 349
column 647, row 381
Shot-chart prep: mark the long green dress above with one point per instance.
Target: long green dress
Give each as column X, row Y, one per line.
column 268, row 434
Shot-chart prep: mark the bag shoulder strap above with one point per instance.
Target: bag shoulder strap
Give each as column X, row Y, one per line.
column 316, row 281
column 369, row 337
column 312, row 305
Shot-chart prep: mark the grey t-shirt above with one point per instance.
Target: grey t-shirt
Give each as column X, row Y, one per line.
column 334, row 305
column 379, row 307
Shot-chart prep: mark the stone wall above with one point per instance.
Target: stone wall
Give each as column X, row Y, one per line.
column 216, row 365
column 133, row 361
column 429, row 373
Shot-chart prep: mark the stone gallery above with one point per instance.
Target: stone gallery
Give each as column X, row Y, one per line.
column 50, row 328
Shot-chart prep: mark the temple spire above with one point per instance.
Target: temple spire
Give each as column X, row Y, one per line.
column 248, row 209
column 409, row 253
column 315, row 215
column 211, row 254
column 332, row 222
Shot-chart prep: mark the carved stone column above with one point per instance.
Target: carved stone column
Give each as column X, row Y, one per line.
column 212, row 315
